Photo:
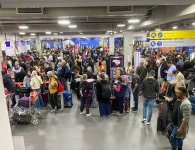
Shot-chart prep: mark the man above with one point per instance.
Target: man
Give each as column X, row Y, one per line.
column 16, row 68
column 180, row 118
column 141, row 71
column 169, row 72
column 178, row 77
column 47, row 68
column 161, row 72
column 150, row 90
column 135, row 89
column 63, row 77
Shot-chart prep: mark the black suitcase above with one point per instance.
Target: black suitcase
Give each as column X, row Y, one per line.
column 160, row 125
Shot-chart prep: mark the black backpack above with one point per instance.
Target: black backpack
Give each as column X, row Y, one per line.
column 106, row 91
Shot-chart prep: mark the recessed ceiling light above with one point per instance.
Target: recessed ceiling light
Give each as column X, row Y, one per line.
column 22, row 33
column 23, row 27
column 133, row 21
column 61, row 32
column 48, row 32
column 63, row 22
column 72, row 26
column 157, row 29
column 115, row 32
column 174, row 27
column 81, row 33
column 193, row 23
column 121, row 25
column 32, row 34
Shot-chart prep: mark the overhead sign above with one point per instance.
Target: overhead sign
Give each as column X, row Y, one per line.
column 172, row 43
column 178, row 34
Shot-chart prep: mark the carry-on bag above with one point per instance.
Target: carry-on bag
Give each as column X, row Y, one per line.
column 67, row 98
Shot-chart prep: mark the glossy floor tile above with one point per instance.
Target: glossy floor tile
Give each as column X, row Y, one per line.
column 68, row 130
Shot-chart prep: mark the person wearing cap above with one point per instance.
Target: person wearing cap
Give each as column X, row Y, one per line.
column 150, row 90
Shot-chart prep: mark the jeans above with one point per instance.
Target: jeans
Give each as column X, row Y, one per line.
column 39, row 102
column 135, row 98
column 120, row 104
column 176, row 142
column 148, row 108
column 104, row 108
column 85, row 101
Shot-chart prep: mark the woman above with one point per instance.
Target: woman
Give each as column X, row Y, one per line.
column 104, row 103
column 100, row 67
column 128, row 67
column 35, row 84
column 27, row 79
column 53, row 91
column 85, row 96
column 20, row 76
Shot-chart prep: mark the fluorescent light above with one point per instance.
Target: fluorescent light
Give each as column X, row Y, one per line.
column 63, row 17
column 115, row 32
column 63, row 22
column 55, row 33
column 48, row 32
column 32, row 34
column 109, row 31
column 61, row 32
column 121, row 25
column 22, row 33
column 121, row 30
column 174, row 27
column 23, row 27
column 193, row 23
column 157, row 29
column 133, row 20
column 81, row 33
column 72, row 26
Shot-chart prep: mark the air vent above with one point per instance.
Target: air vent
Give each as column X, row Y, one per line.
column 35, row 10
column 119, row 9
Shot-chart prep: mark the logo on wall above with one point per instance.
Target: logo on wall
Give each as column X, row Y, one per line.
column 117, row 62
column 153, row 43
column 159, row 43
column 160, row 34
column 153, row 35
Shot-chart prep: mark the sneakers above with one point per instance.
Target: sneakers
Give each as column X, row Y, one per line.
column 144, row 120
column 119, row 114
column 56, row 109
column 88, row 115
column 81, row 113
column 148, row 123
column 52, row 111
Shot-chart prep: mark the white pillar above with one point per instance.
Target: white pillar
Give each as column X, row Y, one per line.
column 111, row 44
column 38, row 44
column 5, row 130
column 128, row 46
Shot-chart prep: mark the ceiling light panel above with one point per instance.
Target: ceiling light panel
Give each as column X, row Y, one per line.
column 121, row 25
column 22, row 33
column 133, row 21
column 72, row 26
column 63, row 22
column 32, row 34
column 23, row 27
column 48, row 32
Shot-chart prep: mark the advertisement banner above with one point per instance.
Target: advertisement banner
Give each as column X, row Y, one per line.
column 172, row 43
column 178, row 34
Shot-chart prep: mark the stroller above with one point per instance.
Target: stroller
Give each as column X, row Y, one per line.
column 24, row 112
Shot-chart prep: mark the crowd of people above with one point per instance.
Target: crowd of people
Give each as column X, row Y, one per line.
column 160, row 77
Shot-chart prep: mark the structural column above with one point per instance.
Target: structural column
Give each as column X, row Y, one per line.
column 5, row 130
column 111, row 44
column 128, row 46
column 38, row 44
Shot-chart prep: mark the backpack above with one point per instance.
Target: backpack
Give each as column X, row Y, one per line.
column 84, row 91
column 67, row 73
column 121, row 93
column 60, row 86
column 106, row 91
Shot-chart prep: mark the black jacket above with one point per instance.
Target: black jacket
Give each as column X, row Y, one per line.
column 187, row 65
column 99, row 90
column 89, row 75
column 162, row 70
column 149, row 88
column 8, row 83
column 20, row 76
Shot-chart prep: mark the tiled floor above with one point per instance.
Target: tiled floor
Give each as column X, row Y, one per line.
column 68, row 130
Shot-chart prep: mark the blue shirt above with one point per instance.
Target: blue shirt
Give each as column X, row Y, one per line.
column 171, row 69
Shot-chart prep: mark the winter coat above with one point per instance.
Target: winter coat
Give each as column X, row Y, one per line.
column 36, row 82
column 8, row 83
column 53, row 85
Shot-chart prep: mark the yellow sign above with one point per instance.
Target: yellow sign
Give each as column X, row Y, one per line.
column 178, row 34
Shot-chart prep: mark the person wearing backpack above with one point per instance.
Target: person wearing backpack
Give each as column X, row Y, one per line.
column 64, row 74
column 119, row 92
column 53, row 91
column 103, row 95
column 85, row 89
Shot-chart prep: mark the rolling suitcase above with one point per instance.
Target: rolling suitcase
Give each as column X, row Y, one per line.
column 45, row 98
column 67, row 98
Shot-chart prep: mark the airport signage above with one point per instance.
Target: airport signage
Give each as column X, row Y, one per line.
column 178, row 34
column 172, row 43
